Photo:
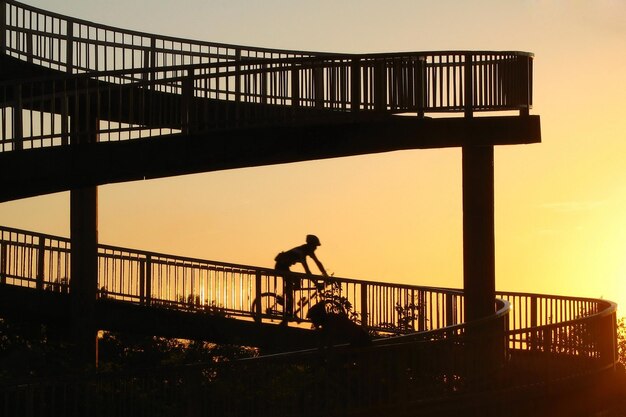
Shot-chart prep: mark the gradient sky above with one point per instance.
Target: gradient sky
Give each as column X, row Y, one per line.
column 397, row 217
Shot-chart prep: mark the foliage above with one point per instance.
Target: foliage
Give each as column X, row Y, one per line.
column 126, row 351
column 408, row 315
column 621, row 340
column 339, row 303
column 33, row 350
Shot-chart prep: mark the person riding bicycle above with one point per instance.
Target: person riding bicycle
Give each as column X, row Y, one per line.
column 285, row 260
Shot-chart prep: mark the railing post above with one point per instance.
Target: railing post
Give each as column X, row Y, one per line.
column 186, row 102
column 18, row 127
column 420, row 86
column 149, row 61
column 238, row 75
column 450, row 320
column 65, row 129
column 41, row 252
column 29, row 48
column 364, row 313
column 295, row 85
column 318, row 85
column 421, row 322
column 355, row 85
column 69, row 47
column 468, row 87
column 380, row 85
column 257, row 300
column 142, row 281
column 263, row 83
column 3, row 26
column 526, row 72
column 3, row 262
column 148, row 280
column 533, row 322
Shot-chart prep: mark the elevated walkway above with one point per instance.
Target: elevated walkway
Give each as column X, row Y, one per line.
column 429, row 362
column 83, row 104
column 155, row 106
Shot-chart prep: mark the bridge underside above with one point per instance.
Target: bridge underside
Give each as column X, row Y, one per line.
column 54, row 309
column 66, row 167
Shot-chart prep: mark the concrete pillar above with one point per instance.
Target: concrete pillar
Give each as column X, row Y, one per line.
column 84, row 242
column 84, row 272
column 478, row 232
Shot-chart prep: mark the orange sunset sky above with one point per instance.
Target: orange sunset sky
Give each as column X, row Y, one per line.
column 397, row 217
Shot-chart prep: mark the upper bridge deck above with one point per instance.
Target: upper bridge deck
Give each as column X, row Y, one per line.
column 214, row 106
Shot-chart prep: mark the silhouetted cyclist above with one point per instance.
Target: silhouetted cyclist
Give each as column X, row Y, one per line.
column 285, row 260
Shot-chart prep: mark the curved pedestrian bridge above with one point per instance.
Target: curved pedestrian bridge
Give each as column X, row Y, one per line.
column 130, row 99
column 422, row 350
column 84, row 104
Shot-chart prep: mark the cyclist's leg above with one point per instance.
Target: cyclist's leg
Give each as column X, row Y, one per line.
column 288, row 288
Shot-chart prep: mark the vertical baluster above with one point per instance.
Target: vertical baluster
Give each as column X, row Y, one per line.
column 3, row 26
column 449, row 310
column 18, row 127
column 355, row 85
column 186, row 102
column 295, row 85
column 420, row 86
column 468, row 87
column 3, row 260
column 364, row 301
column 142, row 281
column 41, row 248
column 380, row 85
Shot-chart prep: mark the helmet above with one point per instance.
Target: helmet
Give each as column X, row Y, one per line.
column 313, row 240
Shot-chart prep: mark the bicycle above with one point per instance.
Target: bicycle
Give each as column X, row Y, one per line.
column 272, row 305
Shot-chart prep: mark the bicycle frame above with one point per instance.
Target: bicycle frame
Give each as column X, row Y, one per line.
column 273, row 305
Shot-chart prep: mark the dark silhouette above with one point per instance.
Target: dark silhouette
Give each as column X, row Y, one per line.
column 285, row 260
column 336, row 327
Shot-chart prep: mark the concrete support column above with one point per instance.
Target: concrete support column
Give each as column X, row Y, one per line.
column 84, row 244
column 478, row 232
column 84, row 272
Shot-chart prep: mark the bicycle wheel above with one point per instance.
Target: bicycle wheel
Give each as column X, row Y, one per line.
column 272, row 308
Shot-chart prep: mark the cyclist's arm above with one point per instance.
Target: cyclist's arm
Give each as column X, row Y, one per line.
column 319, row 265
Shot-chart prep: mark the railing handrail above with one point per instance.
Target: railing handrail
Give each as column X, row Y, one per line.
column 297, row 89
column 583, row 328
column 238, row 266
column 609, row 306
column 227, row 75
column 131, row 32
column 605, row 308
column 295, row 53
column 254, row 282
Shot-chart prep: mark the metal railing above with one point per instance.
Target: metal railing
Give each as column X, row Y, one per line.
column 398, row 373
column 562, row 328
column 537, row 323
column 122, row 73
column 447, row 370
column 74, row 45
column 538, row 340
column 42, row 261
